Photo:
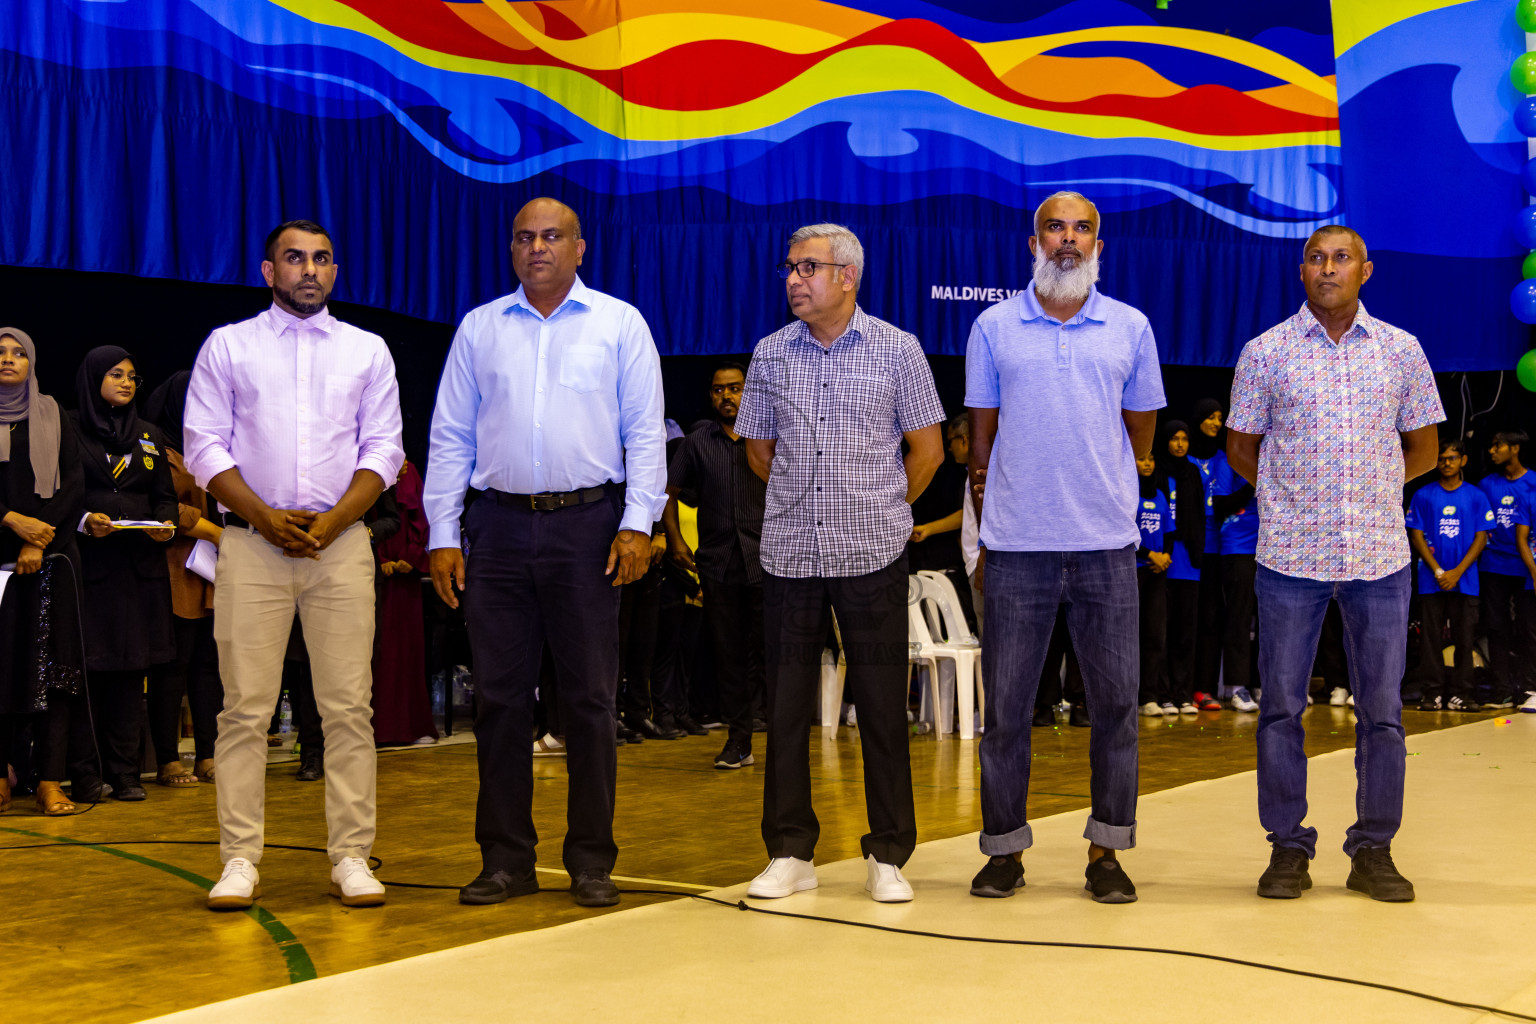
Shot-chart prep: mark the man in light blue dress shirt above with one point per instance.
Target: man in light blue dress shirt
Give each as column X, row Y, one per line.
column 551, row 404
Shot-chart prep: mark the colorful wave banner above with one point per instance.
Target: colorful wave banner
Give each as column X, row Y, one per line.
column 164, row 137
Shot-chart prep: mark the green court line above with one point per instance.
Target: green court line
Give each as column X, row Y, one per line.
column 295, row 956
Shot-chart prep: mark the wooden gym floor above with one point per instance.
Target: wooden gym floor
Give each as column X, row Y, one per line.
column 117, row 932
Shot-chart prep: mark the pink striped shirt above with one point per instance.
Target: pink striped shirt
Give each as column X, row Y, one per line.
column 297, row 405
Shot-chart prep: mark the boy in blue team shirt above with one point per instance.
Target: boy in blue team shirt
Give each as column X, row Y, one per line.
column 1237, row 512
column 1505, row 573
column 1155, row 523
column 1448, row 526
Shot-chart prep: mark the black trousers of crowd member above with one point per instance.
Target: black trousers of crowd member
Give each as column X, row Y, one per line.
column 1152, row 587
column 117, row 705
column 534, row 577
column 639, row 622
column 733, row 614
column 1330, row 662
column 195, row 675
column 871, row 614
column 1459, row 612
column 1056, row 686
column 1509, row 621
column 1238, row 602
column 1210, row 628
column 678, row 625
column 1183, row 639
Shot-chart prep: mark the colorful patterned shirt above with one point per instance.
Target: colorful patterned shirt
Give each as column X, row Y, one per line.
column 837, row 492
column 1331, row 466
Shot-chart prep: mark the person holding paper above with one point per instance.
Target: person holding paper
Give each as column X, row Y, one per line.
column 125, row 587
column 194, row 672
column 40, row 492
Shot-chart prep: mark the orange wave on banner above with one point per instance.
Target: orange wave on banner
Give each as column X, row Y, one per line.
column 1070, row 79
column 1297, row 99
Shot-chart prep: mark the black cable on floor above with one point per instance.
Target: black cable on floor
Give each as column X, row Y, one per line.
column 375, row 863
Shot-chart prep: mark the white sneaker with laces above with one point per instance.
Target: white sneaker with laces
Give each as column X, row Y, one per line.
column 237, row 888
column 1242, row 700
column 354, row 884
column 1151, row 709
column 1529, row 707
column 1171, row 709
column 1338, row 696
column 784, row 876
column 886, row 884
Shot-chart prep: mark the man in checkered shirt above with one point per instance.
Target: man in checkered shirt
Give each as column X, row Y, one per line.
column 1333, row 387
column 827, row 403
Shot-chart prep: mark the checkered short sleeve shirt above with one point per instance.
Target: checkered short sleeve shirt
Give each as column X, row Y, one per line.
column 836, row 503
column 1331, row 464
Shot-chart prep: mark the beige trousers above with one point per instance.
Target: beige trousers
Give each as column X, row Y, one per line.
column 254, row 602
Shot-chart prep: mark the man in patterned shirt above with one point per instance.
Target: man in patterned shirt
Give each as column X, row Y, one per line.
column 1333, row 386
column 827, row 403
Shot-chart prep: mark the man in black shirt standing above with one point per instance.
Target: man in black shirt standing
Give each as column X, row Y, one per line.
column 710, row 472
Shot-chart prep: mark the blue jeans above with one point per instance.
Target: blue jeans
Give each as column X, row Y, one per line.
column 1375, row 615
column 1023, row 590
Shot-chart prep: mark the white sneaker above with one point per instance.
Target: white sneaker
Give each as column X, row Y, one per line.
column 1242, row 700
column 1309, row 700
column 1338, row 697
column 1171, row 709
column 886, row 883
column 784, row 876
column 1188, row 709
column 1151, row 709
column 1350, row 700
column 355, row 885
column 237, row 888
column 1529, row 707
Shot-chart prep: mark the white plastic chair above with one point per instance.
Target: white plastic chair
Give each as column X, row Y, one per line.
column 940, row 605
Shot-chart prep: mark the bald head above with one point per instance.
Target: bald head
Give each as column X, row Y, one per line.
column 546, row 206
column 547, row 247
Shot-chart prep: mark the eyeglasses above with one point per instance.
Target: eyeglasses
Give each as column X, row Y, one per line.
column 805, row 268
column 117, row 376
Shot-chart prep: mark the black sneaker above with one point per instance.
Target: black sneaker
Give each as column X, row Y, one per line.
column 1463, row 704
column 311, row 766
column 1107, row 882
column 594, row 889
column 1430, row 703
column 689, row 726
column 495, row 886
column 1286, row 876
column 1372, row 872
column 735, row 755
column 999, row 878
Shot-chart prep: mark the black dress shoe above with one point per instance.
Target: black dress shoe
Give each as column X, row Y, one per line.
column 689, row 726
column 495, row 886
column 759, row 725
column 628, row 735
column 651, row 731
column 1045, row 715
column 594, row 889
column 311, row 765
column 1079, row 716
column 87, row 790
column 127, row 787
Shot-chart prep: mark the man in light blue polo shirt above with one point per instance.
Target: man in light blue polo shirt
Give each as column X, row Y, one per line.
column 1063, row 384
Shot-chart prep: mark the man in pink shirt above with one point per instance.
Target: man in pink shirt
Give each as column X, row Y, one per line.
column 293, row 423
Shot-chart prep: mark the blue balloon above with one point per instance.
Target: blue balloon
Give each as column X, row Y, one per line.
column 1525, row 116
column 1525, row 226
column 1528, row 176
column 1522, row 302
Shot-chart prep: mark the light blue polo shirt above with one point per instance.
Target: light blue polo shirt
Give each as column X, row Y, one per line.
column 1062, row 475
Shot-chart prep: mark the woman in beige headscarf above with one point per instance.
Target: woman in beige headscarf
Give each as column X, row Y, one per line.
column 41, row 490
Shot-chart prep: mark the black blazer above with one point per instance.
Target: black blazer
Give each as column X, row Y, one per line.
column 17, row 494
column 144, row 490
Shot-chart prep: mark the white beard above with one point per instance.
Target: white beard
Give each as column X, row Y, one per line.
column 1056, row 285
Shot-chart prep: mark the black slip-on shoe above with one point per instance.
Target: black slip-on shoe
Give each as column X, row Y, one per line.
column 1000, row 877
column 1107, row 882
column 495, row 886
column 1287, row 874
column 594, row 889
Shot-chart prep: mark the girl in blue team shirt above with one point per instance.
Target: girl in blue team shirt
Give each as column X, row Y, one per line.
column 1185, row 485
column 1208, row 451
column 1237, row 512
column 1505, row 571
column 1448, row 526
column 1152, row 561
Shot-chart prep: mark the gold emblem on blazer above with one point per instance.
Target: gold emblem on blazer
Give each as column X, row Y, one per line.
column 149, row 463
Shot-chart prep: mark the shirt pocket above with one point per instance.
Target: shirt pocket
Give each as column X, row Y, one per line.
column 581, row 367
column 341, row 397
column 866, row 408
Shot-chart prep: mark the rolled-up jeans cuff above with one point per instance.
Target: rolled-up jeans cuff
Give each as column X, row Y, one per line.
column 1111, row 837
column 1017, row 841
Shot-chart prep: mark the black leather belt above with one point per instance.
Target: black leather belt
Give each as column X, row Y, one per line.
column 230, row 519
column 550, row 501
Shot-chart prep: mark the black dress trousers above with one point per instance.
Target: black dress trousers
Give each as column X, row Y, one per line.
column 533, row 577
column 872, row 617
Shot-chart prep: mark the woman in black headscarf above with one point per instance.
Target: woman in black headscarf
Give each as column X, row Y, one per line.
column 40, row 659
column 1208, row 451
column 126, row 591
column 1186, row 498
column 195, row 670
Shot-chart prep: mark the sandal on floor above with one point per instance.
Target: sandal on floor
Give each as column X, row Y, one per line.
column 202, row 771
column 52, row 801
column 173, row 774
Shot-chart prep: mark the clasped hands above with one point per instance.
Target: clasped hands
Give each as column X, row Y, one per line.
column 299, row 532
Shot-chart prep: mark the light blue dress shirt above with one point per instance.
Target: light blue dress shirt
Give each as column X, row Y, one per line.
column 529, row 404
